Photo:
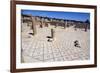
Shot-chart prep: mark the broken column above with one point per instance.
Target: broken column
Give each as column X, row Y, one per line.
column 33, row 25
column 28, row 23
column 52, row 38
column 85, row 27
column 56, row 24
column 41, row 25
column 65, row 24
column 52, row 34
column 46, row 24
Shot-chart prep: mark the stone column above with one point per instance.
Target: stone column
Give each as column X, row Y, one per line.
column 65, row 24
column 33, row 25
column 53, row 34
column 28, row 23
column 85, row 27
column 42, row 23
column 56, row 24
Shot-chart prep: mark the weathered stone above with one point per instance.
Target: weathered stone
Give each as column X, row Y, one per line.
column 33, row 25
column 65, row 24
column 52, row 33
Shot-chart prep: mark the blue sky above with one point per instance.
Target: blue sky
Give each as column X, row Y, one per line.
column 61, row 15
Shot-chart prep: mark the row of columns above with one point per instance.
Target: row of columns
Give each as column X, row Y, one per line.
column 64, row 24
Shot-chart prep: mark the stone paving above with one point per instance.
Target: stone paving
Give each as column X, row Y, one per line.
column 37, row 49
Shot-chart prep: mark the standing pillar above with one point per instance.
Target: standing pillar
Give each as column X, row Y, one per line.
column 28, row 23
column 65, row 24
column 42, row 23
column 56, row 24
column 53, row 34
column 85, row 27
column 33, row 25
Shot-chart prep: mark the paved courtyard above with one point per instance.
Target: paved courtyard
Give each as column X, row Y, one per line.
column 37, row 49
